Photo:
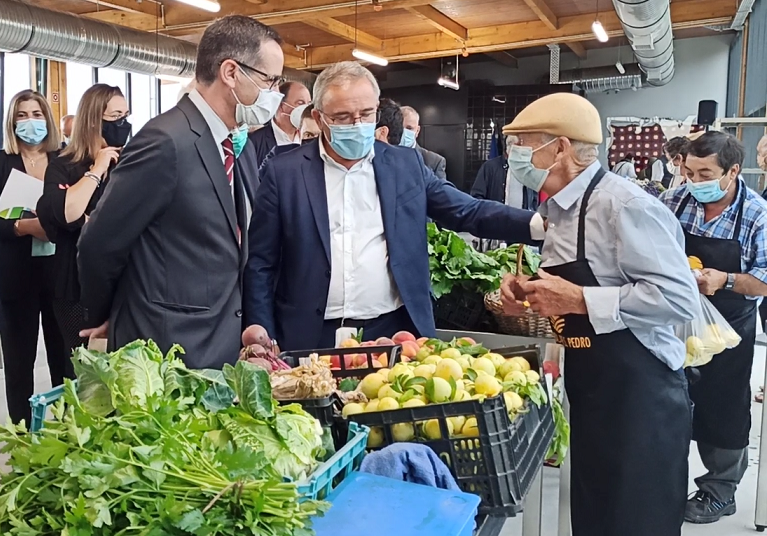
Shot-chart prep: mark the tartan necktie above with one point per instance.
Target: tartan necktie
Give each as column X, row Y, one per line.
column 229, row 160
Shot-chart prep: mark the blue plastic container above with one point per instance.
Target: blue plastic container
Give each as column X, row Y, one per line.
column 322, row 481
column 376, row 506
column 40, row 403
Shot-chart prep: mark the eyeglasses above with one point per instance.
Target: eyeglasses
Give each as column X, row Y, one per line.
column 272, row 81
column 119, row 117
column 373, row 116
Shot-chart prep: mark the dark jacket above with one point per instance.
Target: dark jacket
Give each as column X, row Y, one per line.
column 491, row 184
column 18, row 269
column 263, row 141
column 161, row 257
column 434, row 162
column 287, row 278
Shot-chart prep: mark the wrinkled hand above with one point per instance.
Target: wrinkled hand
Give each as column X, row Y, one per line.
column 96, row 333
column 710, row 280
column 553, row 296
column 512, row 296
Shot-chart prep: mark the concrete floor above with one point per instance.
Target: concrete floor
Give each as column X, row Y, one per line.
column 740, row 524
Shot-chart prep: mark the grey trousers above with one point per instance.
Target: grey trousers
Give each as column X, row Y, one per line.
column 725, row 470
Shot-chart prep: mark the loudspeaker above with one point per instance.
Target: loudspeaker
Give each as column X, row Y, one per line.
column 707, row 112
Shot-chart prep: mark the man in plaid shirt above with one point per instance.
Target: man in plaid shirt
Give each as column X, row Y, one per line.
column 725, row 225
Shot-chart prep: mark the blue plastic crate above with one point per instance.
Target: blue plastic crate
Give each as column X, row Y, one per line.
column 40, row 403
column 328, row 475
column 377, row 506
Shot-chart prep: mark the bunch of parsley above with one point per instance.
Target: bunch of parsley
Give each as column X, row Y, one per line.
column 142, row 446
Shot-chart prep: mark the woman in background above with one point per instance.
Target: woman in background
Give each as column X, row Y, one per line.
column 26, row 261
column 74, row 183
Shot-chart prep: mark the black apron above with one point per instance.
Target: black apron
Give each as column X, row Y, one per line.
column 722, row 395
column 630, row 420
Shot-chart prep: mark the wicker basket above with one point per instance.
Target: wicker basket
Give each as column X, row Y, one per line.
column 529, row 325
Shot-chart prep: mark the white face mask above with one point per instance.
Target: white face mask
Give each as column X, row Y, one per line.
column 260, row 112
column 295, row 115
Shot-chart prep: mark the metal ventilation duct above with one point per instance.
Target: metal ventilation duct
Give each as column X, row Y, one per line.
column 66, row 37
column 647, row 24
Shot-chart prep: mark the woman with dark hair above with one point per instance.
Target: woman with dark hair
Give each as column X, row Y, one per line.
column 26, row 265
column 74, row 183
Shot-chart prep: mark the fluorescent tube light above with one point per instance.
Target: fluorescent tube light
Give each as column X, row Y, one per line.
column 620, row 67
column 371, row 58
column 599, row 31
column 207, row 5
column 447, row 82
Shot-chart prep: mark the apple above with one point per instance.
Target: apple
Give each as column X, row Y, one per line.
column 349, row 361
column 423, row 353
column 335, row 362
column 551, row 367
column 349, row 343
column 384, row 341
column 420, row 342
column 402, row 336
column 360, row 360
column 383, row 359
column 368, row 343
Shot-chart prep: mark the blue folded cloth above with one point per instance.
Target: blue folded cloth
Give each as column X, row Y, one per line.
column 412, row 463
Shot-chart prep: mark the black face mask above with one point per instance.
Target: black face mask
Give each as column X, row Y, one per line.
column 116, row 133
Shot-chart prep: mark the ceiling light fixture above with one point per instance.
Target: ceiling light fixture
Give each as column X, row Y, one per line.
column 447, row 82
column 599, row 32
column 371, row 58
column 207, row 5
column 620, row 67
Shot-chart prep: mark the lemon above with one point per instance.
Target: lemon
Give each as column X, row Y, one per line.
column 432, row 360
column 375, row 438
column 516, row 377
column 513, row 401
column 387, row 392
column 470, row 429
column 457, row 423
column 372, row 406
column 485, row 365
column 371, row 384
column 432, row 430
column 509, row 365
column 352, row 409
column 487, row 385
column 387, row 403
column 449, row 368
column 532, row 376
column 524, row 363
column 414, row 403
column 423, row 371
column 400, row 369
column 403, row 432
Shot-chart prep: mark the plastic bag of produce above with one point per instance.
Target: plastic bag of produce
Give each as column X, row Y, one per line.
column 706, row 336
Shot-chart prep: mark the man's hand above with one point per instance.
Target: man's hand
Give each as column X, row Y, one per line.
column 512, row 296
column 96, row 333
column 31, row 227
column 553, row 296
column 710, row 280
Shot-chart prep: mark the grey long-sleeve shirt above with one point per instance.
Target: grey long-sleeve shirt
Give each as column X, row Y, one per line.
column 635, row 247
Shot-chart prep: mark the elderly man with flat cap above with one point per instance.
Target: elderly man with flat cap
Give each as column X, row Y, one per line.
column 615, row 281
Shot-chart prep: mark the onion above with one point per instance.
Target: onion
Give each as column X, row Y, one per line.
column 255, row 334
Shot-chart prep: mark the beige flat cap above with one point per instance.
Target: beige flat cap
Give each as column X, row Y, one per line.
column 560, row 114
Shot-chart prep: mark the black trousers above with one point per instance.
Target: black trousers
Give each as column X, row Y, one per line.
column 383, row 326
column 71, row 318
column 19, row 330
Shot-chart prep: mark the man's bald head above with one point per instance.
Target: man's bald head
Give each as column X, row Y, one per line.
column 67, row 122
column 761, row 153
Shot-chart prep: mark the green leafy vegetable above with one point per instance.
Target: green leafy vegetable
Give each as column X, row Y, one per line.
column 561, row 441
column 143, row 446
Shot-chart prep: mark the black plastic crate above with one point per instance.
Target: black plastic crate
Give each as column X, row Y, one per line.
column 461, row 309
column 367, row 357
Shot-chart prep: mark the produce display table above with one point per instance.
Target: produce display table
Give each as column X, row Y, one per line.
column 377, row 506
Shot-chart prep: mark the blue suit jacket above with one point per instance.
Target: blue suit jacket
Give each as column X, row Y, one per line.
column 264, row 141
column 287, row 277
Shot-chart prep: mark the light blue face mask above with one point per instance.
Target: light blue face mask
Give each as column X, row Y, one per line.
column 352, row 142
column 32, row 131
column 239, row 139
column 408, row 138
column 522, row 168
column 707, row 191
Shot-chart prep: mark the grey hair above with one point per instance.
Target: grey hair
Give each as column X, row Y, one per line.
column 411, row 110
column 511, row 139
column 338, row 74
column 234, row 37
column 583, row 153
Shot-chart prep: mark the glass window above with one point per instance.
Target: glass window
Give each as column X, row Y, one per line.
column 143, row 99
column 169, row 92
column 17, row 77
column 113, row 77
column 79, row 79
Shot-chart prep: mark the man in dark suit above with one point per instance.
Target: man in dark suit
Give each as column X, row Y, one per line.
column 433, row 161
column 494, row 182
column 280, row 131
column 162, row 255
column 339, row 233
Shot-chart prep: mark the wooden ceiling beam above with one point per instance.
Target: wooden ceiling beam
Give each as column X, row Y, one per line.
column 684, row 14
column 440, row 21
column 578, row 48
column 544, row 13
column 344, row 31
column 137, row 21
column 179, row 17
column 504, row 58
column 147, row 7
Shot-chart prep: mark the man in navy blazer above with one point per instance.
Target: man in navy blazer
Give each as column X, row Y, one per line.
column 339, row 234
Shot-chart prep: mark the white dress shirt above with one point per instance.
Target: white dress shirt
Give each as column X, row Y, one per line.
column 361, row 284
column 282, row 137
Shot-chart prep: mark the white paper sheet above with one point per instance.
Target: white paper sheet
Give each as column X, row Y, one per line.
column 21, row 191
